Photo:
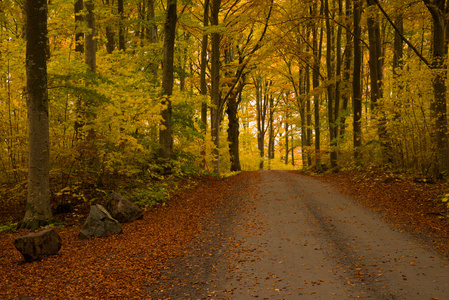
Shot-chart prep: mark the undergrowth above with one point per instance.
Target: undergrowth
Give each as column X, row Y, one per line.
column 71, row 201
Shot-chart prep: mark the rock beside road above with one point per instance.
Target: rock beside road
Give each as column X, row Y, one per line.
column 99, row 223
column 35, row 245
column 123, row 210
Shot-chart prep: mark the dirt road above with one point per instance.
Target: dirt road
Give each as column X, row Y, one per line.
column 281, row 235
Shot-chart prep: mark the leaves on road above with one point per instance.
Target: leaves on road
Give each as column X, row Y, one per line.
column 412, row 205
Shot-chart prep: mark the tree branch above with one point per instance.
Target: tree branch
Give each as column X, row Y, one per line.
column 402, row 36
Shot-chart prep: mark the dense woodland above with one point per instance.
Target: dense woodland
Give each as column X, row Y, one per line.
column 108, row 94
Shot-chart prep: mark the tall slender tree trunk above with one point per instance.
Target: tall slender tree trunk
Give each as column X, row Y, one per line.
column 109, row 33
column 300, row 102
column 38, row 208
column 152, row 35
column 398, row 45
column 142, row 17
column 316, row 49
column 309, row 117
column 233, row 128
column 397, row 64
column 204, row 44
column 439, row 107
column 376, row 80
column 302, row 113
column 165, row 132
column 331, row 96
column 286, row 139
column 356, row 81
column 121, row 30
column 271, row 131
column 347, row 68
column 293, row 148
column 79, row 46
column 215, row 85
column 261, row 109
column 183, row 73
column 90, row 57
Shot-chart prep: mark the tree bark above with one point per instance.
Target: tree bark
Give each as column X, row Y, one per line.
column 203, row 82
column 121, row 31
column 376, row 81
column 215, row 86
column 109, row 34
column 356, row 81
column 261, row 108
column 293, row 148
column 38, row 208
column 233, row 128
column 152, row 35
column 79, row 46
column 316, row 49
column 165, row 132
column 302, row 113
column 347, row 69
column 332, row 106
column 286, row 140
column 90, row 57
column 271, row 131
column 398, row 45
column 439, row 106
column 309, row 118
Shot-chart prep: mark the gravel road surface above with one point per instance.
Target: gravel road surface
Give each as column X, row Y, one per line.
column 280, row 235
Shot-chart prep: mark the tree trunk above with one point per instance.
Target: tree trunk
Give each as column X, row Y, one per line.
column 90, row 41
column 331, row 103
column 309, row 118
column 121, row 31
column 286, row 141
column 165, row 132
column 90, row 59
column 152, row 35
column 182, row 69
column 316, row 49
column 398, row 45
column 233, row 129
column 109, row 34
column 272, row 134
column 293, row 148
column 38, row 208
column 356, row 81
column 204, row 44
column 215, row 85
column 142, row 16
column 261, row 108
column 303, row 135
column 347, row 69
column 439, row 109
column 397, row 64
column 79, row 46
column 271, row 131
column 376, row 78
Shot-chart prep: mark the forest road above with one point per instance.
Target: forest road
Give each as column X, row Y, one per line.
column 280, row 235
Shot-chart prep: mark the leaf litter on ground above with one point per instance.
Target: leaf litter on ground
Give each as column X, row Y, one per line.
column 123, row 266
